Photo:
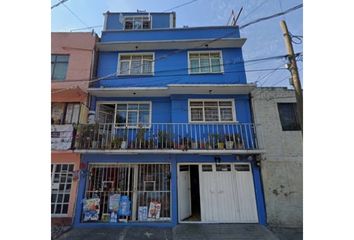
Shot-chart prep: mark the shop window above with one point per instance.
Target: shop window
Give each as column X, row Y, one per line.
column 59, row 66
column 65, row 113
column 288, row 117
column 61, row 179
column 127, row 192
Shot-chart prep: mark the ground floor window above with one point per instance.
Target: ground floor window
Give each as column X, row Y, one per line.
column 127, row 192
column 61, row 177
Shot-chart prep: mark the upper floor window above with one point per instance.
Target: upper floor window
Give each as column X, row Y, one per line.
column 59, row 66
column 65, row 113
column 137, row 22
column 136, row 64
column 125, row 114
column 211, row 111
column 205, row 62
column 288, row 117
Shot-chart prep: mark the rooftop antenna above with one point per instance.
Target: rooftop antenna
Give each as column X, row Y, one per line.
column 233, row 19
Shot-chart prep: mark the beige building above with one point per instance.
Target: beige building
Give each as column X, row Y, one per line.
column 281, row 166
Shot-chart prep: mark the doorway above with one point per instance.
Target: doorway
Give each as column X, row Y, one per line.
column 189, row 195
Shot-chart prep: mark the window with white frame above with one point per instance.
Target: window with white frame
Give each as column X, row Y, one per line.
column 134, row 64
column 62, row 177
column 131, row 114
column 137, row 22
column 211, row 111
column 205, row 62
column 65, row 113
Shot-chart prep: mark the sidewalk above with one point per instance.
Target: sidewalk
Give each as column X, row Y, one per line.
column 180, row 232
column 287, row 233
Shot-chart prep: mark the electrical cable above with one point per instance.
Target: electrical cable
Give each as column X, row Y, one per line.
column 181, row 5
column 75, row 15
column 57, row 4
column 252, row 11
column 271, row 16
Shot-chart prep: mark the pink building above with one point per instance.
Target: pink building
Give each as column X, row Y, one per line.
column 72, row 66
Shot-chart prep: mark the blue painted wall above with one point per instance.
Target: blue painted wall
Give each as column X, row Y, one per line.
column 171, row 34
column 173, row 160
column 159, row 20
column 172, row 70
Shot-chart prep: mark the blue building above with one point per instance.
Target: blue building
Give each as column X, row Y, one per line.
column 171, row 132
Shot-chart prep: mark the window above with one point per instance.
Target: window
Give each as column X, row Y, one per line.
column 132, row 115
column 59, row 66
column 205, row 62
column 288, row 116
column 136, row 64
column 137, row 22
column 207, row 168
column 147, row 185
column 223, row 168
column 62, row 176
column 211, row 111
column 125, row 114
column 242, row 167
column 65, row 113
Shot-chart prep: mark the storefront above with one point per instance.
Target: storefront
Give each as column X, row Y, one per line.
column 163, row 190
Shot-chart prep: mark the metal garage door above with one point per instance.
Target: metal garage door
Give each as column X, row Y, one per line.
column 227, row 193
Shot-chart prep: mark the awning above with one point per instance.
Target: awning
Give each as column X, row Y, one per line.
column 69, row 95
column 172, row 89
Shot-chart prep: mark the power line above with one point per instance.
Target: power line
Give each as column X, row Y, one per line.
column 75, row 15
column 57, row 4
column 172, row 75
column 181, row 5
column 260, row 5
column 90, row 27
column 272, row 16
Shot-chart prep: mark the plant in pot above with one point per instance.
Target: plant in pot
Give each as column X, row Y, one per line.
column 116, row 142
column 124, row 143
column 164, row 139
column 221, row 144
column 229, row 141
column 184, row 143
column 239, row 143
column 140, row 137
column 194, row 144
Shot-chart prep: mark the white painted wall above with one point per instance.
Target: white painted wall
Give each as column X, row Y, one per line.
column 281, row 166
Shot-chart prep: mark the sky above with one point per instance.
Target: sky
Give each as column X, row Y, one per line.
column 264, row 39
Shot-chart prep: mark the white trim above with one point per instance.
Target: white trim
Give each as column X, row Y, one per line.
column 130, row 62
column 169, row 44
column 137, row 16
column 206, row 51
column 125, row 102
column 233, row 106
column 171, row 20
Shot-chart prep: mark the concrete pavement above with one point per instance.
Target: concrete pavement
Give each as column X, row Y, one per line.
column 180, row 232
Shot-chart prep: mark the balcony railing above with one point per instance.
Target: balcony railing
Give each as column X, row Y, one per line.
column 168, row 136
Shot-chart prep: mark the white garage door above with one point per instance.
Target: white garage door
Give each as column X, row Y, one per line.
column 227, row 193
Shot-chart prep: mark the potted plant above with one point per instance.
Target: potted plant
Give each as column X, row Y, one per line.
column 194, row 144
column 229, row 141
column 239, row 143
column 124, row 143
column 140, row 137
column 164, row 139
column 184, row 143
column 116, row 142
column 221, row 144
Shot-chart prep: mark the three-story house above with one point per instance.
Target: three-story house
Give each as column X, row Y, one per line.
column 171, row 137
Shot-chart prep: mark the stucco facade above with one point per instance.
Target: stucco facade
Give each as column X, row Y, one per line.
column 71, row 91
column 281, row 165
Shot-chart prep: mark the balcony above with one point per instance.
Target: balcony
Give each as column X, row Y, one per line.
column 168, row 138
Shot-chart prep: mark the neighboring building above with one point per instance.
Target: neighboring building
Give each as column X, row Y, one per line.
column 72, row 64
column 172, row 135
column 281, row 167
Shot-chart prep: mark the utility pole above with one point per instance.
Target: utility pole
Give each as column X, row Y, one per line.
column 294, row 72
